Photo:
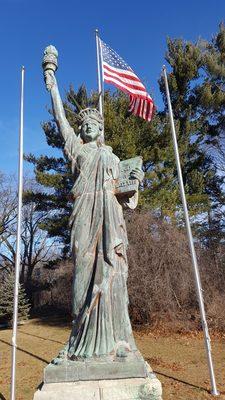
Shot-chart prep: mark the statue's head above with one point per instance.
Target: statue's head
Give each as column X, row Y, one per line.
column 91, row 124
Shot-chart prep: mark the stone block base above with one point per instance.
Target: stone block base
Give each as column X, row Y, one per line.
column 103, row 368
column 148, row 388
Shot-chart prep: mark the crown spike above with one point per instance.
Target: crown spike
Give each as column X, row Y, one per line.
column 90, row 113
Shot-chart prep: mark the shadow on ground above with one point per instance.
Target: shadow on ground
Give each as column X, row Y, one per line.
column 26, row 352
column 40, row 386
column 181, row 381
column 40, row 337
column 51, row 317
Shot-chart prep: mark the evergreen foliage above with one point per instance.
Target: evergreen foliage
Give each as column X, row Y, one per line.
column 209, row 97
column 194, row 71
column 6, row 300
column 198, row 122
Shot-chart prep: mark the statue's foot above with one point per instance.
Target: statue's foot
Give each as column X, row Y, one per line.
column 62, row 356
column 122, row 350
column 57, row 361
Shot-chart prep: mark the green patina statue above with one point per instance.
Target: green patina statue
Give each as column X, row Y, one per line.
column 101, row 324
column 100, row 359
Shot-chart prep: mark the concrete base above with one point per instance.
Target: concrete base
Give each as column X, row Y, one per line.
column 101, row 368
column 148, row 388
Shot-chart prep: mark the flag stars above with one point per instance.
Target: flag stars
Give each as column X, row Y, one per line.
column 111, row 57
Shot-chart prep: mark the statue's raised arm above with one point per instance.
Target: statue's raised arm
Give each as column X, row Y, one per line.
column 101, row 345
column 50, row 65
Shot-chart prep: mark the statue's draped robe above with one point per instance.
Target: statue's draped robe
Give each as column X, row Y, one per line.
column 98, row 242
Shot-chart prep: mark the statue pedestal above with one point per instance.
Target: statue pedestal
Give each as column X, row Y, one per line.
column 148, row 388
column 97, row 368
column 105, row 378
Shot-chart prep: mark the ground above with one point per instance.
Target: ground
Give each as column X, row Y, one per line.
column 178, row 360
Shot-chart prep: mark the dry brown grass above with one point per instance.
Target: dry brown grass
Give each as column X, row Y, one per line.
column 178, row 360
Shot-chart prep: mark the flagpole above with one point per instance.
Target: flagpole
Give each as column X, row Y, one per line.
column 214, row 390
column 99, row 69
column 18, row 236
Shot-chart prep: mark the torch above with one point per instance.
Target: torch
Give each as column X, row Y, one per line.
column 50, row 62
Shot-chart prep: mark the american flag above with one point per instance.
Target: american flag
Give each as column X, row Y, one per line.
column 118, row 72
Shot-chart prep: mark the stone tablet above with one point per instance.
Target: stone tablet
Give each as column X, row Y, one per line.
column 126, row 185
column 100, row 359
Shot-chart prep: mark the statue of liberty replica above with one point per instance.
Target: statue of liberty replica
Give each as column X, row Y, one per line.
column 100, row 359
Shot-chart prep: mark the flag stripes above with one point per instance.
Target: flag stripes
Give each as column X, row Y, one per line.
column 117, row 72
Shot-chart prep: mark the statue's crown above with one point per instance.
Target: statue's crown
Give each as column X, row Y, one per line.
column 90, row 113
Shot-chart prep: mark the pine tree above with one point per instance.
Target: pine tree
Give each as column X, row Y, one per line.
column 130, row 136
column 202, row 183
column 6, row 300
column 54, row 174
column 210, row 95
column 209, row 98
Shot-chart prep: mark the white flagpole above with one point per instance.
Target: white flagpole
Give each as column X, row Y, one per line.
column 214, row 390
column 18, row 235
column 99, row 69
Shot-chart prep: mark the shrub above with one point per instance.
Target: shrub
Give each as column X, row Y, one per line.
column 161, row 284
column 6, row 300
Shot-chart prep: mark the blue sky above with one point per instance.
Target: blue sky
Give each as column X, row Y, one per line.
column 136, row 30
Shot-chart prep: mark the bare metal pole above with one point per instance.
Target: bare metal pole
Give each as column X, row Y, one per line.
column 99, row 69
column 214, row 390
column 18, row 235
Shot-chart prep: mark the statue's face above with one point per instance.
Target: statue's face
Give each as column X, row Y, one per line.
column 90, row 130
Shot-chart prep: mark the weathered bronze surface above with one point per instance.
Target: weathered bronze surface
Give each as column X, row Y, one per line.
column 103, row 185
column 100, row 360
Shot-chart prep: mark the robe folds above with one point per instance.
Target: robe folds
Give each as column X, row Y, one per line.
column 98, row 243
